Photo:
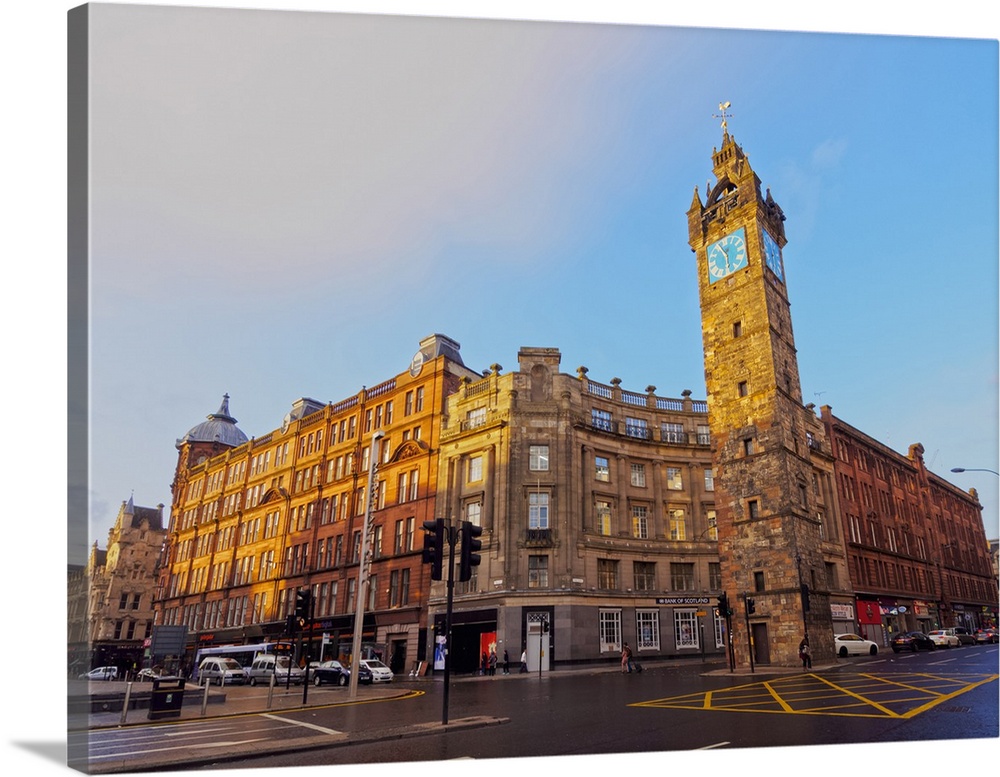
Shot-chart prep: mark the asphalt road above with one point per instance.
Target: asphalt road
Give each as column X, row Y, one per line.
column 944, row 695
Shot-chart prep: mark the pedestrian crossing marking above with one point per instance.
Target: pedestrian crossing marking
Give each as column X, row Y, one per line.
column 898, row 696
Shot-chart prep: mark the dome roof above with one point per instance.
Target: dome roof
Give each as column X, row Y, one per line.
column 220, row 427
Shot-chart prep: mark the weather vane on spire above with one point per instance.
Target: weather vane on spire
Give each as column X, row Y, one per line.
column 723, row 107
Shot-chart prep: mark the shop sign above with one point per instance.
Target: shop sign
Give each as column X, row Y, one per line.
column 842, row 611
column 683, row 600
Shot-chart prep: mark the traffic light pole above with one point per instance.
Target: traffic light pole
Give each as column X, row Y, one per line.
column 746, row 616
column 451, row 532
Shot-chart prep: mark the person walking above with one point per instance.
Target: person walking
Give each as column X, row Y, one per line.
column 484, row 664
column 506, row 662
column 805, row 654
column 626, row 659
column 493, row 663
column 524, row 661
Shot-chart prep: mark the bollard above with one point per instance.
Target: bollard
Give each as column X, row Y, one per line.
column 128, row 694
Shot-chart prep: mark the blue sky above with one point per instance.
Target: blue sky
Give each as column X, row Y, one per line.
column 284, row 204
column 286, row 209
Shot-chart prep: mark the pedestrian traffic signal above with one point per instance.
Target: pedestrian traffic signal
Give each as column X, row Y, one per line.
column 468, row 557
column 723, row 605
column 751, row 606
column 805, row 597
column 434, row 546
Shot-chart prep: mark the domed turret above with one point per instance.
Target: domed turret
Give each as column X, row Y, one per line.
column 219, row 428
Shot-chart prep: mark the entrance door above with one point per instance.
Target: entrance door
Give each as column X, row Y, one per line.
column 397, row 656
column 538, row 647
column 761, row 645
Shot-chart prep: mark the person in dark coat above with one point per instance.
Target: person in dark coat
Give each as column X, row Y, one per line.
column 506, row 662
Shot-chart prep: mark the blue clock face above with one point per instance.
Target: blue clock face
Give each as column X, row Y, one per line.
column 727, row 255
column 772, row 255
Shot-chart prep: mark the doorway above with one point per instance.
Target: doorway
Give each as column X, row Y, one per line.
column 761, row 644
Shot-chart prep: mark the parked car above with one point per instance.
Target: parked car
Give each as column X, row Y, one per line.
column 281, row 667
column 149, row 674
column 965, row 637
column 101, row 673
column 912, row 640
column 984, row 636
column 944, row 638
column 380, row 672
column 221, row 671
column 853, row 645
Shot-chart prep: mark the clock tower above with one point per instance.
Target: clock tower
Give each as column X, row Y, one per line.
column 771, row 459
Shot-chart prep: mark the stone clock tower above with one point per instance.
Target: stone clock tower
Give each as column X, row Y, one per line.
column 770, row 456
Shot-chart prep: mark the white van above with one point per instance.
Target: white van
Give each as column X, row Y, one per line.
column 221, row 671
column 265, row 665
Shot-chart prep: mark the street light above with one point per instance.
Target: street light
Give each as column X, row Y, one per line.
column 964, row 469
column 359, row 608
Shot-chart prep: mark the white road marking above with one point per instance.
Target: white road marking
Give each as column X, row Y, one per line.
column 717, row 744
column 313, row 726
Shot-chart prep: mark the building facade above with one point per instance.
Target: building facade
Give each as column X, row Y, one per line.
column 120, row 588
column 917, row 548
column 782, row 559
column 597, row 506
column 253, row 521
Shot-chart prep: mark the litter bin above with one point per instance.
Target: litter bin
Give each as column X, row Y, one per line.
column 167, row 698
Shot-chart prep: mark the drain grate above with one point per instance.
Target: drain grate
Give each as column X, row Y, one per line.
column 956, row 708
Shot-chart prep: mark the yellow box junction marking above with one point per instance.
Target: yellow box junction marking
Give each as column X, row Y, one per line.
column 897, row 696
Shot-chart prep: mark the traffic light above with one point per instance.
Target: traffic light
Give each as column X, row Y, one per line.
column 723, row 605
column 469, row 558
column 805, row 597
column 303, row 603
column 434, row 546
column 751, row 606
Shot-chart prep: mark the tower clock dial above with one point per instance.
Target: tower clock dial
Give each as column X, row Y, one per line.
column 727, row 255
column 772, row 255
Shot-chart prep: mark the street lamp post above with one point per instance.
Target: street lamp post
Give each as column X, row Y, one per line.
column 970, row 469
column 359, row 607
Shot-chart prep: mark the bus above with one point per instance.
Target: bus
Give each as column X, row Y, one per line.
column 243, row 654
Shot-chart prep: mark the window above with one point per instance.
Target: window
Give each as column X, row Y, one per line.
column 538, row 458
column 647, row 629
column 685, row 629
column 601, row 419
column 713, row 525
column 603, row 515
column 674, row 481
column 636, row 427
column 640, row 522
column 602, row 469
column 753, row 509
column 720, row 629
column 715, row 575
column 645, row 575
column 758, row 581
column 681, row 576
column 737, row 329
column 474, row 513
column 610, row 624
column 748, row 446
column 742, row 388
column 475, row 469
column 704, row 435
column 710, row 480
column 678, row 527
column 538, row 571
column 419, row 403
column 638, row 473
column 408, row 404
column 673, row 433
column 538, row 510
column 607, row 574
column 475, row 418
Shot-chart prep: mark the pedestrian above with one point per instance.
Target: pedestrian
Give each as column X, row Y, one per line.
column 484, row 664
column 493, row 663
column 524, row 661
column 506, row 661
column 626, row 659
column 805, row 654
